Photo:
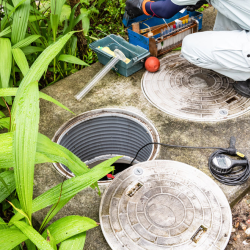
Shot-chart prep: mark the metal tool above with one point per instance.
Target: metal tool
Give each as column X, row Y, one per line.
column 223, row 164
column 118, row 56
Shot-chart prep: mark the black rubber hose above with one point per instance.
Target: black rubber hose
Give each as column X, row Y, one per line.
column 237, row 177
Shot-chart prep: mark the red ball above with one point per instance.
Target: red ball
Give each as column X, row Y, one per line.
column 152, row 64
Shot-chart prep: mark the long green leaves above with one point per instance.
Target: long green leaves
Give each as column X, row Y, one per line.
column 69, row 226
column 74, row 243
column 21, row 60
column 5, row 32
column 72, row 59
column 5, row 64
column 70, row 187
column 25, row 42
column 31, row 49
column 39, row 66
column 25, row 142
column 53, row 211
column 7, row 184
column 20, row 21
column 33, row 235
column 4, row 123
column 11, row 238
column 13, row 91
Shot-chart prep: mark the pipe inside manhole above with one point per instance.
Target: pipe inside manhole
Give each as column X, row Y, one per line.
column 101, row 134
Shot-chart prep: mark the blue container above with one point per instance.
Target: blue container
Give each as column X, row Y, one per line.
column 140, row 40
column 135, row 53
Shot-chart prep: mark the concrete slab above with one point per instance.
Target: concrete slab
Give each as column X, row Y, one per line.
column 116, row 91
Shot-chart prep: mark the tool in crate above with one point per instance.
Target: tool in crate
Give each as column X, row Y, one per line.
column 160, row 36
column 170, row 36
column 117, row 54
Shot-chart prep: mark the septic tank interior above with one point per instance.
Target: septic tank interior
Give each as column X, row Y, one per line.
column 125, row 93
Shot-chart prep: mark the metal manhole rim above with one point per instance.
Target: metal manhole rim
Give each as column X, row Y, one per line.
column 178, row 116
column 142, row 120
column 109, row 240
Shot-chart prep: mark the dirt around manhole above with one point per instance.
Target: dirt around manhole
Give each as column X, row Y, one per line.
column 240, row 236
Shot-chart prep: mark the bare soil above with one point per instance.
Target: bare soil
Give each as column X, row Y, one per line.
column 240, row 236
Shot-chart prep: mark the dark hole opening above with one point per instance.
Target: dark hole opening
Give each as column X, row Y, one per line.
column 119, row 167
column 231, row 100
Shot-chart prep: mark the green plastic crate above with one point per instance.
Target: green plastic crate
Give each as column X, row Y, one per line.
column 136, row 54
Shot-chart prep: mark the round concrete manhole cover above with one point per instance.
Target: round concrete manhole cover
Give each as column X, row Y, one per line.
column 170, row 205
column 186, row 91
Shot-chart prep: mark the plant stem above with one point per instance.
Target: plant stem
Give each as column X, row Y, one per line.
column 8, row 111
column 13, row 72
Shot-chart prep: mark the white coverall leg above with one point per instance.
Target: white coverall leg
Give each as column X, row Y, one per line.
column 225, row 50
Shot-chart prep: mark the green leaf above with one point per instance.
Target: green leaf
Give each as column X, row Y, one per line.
column 30, row 245
column 26, row 41
column 31, row 49
column 72, row 59
column 39, row 66
column 69, row 226
column 70, row 187
column 33, row 235
column 8, row 91
column 73, row 45
column 5, row 31
column 13, row 91
column 6, row 157
column 66, row 10
column 3, row 225
column 71, row 19
column 79, row 18
column 10, row 238
column 56, row 6
column 74, row 243
column 47, row 151
column 5, row 64
column 16, row 203
column 9, row 179
column 4, row 123
column 53, row 211
column 54, row 19
column 60, row 154
column 20, row 211
column 21, row 60
column 85, row 25
column 50, row 99
column 24, row 144
column 2, row 115
column 20, row 21
column 50, row 239
column 36, row 18
column 5, row 20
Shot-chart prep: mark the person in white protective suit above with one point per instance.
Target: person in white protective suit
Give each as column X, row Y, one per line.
column 225, row 50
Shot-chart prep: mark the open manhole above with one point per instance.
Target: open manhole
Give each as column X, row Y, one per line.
column 169, row 205
column 101, row 134
column 186, row 91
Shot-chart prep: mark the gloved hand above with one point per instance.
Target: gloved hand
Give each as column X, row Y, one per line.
column 197, row 6
column 134, row 8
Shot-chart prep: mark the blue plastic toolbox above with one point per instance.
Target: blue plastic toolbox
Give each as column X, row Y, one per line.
column 135, row 53
column 145, row 21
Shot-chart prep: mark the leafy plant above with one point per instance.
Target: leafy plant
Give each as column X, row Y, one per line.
column 26, row 32
column 21, row 148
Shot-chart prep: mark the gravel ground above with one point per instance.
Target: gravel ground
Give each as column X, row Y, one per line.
column 240, row 236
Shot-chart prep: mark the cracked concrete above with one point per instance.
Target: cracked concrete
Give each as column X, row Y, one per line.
column 120, row 92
